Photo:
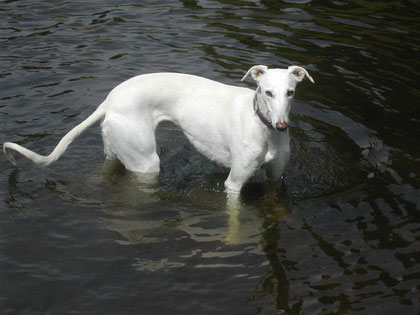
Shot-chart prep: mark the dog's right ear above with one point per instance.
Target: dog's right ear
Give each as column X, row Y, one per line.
column 256, row 72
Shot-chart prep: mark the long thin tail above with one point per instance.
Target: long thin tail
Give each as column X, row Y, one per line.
column 61, row 147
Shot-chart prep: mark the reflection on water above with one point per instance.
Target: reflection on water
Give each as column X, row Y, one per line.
column 339, row 235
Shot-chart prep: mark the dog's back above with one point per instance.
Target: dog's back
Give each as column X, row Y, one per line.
column 202, row 108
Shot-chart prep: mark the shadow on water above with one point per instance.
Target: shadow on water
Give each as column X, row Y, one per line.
column 339, row 236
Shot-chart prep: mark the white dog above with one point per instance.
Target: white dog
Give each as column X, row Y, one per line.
column 234, row 126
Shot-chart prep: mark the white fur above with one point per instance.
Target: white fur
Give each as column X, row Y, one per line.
column 218, row 119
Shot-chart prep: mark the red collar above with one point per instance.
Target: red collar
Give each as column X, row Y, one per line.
column 261, row 116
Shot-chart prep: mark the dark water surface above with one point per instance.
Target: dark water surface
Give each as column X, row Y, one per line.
column 342, row 235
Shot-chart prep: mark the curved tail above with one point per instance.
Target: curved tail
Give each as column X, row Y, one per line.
column 61, row 147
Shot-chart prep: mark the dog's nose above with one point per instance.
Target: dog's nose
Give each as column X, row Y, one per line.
column 281, row 125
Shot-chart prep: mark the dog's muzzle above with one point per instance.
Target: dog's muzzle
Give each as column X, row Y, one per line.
column 282, row 126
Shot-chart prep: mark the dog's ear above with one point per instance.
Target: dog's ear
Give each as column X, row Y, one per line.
column 299, row 73
column 256, row 72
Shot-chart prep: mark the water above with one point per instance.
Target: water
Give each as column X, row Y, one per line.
column 342, row 234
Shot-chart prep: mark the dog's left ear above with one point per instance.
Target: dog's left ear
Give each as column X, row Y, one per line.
column 256, row 72
column 299, row 73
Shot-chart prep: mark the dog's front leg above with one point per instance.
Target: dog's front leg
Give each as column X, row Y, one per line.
column 279, row 154
column 241, row 170
column 277, row 165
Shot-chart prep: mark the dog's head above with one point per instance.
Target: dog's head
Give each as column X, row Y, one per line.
column 276, row 88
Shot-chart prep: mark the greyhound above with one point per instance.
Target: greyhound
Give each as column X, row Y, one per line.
column 237, row 127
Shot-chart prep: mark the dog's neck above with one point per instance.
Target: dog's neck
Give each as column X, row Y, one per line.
column 262, row 113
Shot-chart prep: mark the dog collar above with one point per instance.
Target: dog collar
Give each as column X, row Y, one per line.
column 261, row 116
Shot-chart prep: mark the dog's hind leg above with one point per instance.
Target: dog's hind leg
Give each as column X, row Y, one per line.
column 132, row 140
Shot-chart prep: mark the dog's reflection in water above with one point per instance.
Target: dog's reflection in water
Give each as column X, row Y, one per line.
column 264, row 203
column 244, row 214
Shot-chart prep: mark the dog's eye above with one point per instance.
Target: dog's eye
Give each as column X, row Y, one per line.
column 290, row 93
column 269, row 93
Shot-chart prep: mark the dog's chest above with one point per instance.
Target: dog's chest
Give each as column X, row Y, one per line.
column 276, row 146
column 211, row 146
